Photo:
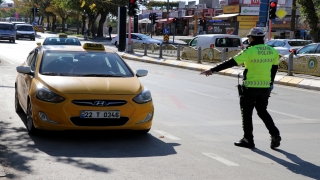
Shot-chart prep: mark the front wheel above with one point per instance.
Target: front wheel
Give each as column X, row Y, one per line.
column 30, row 127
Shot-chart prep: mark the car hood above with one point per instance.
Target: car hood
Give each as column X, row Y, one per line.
column 92, row 85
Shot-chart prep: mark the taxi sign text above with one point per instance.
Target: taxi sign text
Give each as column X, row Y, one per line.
column 93, row 46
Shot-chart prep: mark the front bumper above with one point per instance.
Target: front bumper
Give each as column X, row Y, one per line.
column 7, row 37
column 66, row 115
column 30, row 36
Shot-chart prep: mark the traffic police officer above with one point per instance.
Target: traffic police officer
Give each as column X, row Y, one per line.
column 261, row 65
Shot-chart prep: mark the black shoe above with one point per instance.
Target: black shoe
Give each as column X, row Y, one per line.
column 275, row 141
column 244, row 143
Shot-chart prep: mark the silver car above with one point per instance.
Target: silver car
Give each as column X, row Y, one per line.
column 25, row 31
column 137, row 37
column 7, row 32
column 285, row 46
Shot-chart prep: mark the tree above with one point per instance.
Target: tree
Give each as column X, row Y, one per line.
column 309, row 11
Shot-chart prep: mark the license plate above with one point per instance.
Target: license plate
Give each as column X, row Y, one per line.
column 100, row 114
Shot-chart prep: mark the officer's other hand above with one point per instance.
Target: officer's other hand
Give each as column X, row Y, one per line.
column 271, row 87
column 207, row 72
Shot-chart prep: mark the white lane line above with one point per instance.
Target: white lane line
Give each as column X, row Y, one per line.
column 298, row 117
column 8, row 61
column 200, row 93
column 167, row 135
column 220, row 159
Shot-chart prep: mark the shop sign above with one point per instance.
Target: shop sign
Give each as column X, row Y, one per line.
column 217, row 12
column 221, row 28
column 248, row 18
column 256, row 2
column 231, row 9
column 233, row 2
column 250, row 11
column 190, row 12
column 247, row 25
column 280, row 26
column 198, row 13
column 223, row 2
column 201, row 6
column 207, row 12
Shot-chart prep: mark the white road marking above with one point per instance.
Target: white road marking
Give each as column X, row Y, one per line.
column 167, row 135
column 201, row 93
column 288, row 114
column 222, row 160
column 8, row 61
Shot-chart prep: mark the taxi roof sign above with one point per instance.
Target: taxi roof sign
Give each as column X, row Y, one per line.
column 62, row 35
column 93, row 46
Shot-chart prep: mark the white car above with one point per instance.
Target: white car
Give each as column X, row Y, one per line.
column 245, row 42
column 137, row 37
column 285, row 46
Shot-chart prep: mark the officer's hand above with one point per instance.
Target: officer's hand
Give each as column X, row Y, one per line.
column 271, row 87
column 207, row 72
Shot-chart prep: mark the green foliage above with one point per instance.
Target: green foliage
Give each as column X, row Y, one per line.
column 309, row 9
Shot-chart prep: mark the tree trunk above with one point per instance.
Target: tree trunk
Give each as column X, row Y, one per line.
column 63, row 25
column 103, row 18
column 312, row 18
column 48, row 22
column 83, row 17
column 54, row 21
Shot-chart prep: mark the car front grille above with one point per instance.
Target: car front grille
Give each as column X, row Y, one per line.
column 99, row 121
column 99, row 102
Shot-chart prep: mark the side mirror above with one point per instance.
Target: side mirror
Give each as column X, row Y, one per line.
column 141, row 72
column 24, row 70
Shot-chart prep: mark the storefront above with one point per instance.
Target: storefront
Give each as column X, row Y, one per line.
column 229, row 24
column 246, row 23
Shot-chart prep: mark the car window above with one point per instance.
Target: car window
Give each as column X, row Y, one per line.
column 317, row 50
column 298, row 43
column 194, row 42
column 133, row 36
column 307, row 49
column 227, row 42
column 7, row 27
column 62, row 41
column 279, row 44
column 24, row 28
column 270, row 43
column 32, row 59
column 96, row 64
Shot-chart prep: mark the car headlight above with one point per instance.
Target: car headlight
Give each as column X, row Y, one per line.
column 44, row 94
column 143, row 97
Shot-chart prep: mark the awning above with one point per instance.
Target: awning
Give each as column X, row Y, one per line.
column 164, row 20
column 224, row 16
column 187, row 16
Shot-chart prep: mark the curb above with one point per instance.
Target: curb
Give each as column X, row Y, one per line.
column 279, row 79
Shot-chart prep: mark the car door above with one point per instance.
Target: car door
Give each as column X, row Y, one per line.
column 27, row 79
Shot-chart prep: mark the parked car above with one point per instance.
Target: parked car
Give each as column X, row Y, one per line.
column 7, row 32
column 245, row 42
column 25, row 31
column 305, row 60
column 17, row 22
column 218, row 41
column 285, row 46
column 40, row 29
column 137, row 37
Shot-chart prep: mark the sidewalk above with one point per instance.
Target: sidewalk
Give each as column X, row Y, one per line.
column 297, row 80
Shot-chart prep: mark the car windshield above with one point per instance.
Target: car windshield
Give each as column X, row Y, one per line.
column 228, row 42
column 24, row 28
column 6, row 27
column 62, row 41
column 144, row 36
column 86, row 64
column 298, row 43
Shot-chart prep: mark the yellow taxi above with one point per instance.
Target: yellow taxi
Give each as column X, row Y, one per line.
column 81, row 88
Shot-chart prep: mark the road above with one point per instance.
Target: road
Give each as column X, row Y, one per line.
column 196, row 121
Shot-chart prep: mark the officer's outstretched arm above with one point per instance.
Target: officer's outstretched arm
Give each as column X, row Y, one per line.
column 224, row 65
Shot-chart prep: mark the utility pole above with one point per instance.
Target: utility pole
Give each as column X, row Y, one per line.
column 293, row 19
column 167, row 13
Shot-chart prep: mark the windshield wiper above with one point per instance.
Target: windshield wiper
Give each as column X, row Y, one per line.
column 100, row 75
column 51, row 74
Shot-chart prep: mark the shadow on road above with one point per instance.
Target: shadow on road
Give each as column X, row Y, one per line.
column 70, row 147
column 299, row 166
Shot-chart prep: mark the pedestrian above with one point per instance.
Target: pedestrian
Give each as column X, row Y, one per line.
column 110, row 31
column 261, row 65
column 85, row 33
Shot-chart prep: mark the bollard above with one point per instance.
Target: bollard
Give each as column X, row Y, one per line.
column 160, row 51
column 223, row 54
column 290, row 64
column 178, row 52
column 199, row 55
column 145, row 49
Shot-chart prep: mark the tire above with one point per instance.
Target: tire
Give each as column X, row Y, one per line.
column 29, row 124
column 13, row 41
column 17, row 38
column 17, row 105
